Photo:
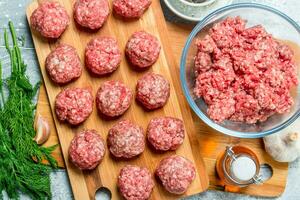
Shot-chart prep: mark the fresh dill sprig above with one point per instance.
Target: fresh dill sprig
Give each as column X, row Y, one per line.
column 1, row 87
column 21, row 167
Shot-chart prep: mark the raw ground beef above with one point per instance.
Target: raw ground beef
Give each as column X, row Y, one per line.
column 165, row 133
column 153, row 91
column 126, row 139
column 243, row 74
column 87, row 150
column 131, row 8
column 50, row 19
column 176, row 173
column 91, row 13
column 142, row 49
column 102, row 55
column 135, row 183
column 113, row 98
column 74, row 105
column 63, row 64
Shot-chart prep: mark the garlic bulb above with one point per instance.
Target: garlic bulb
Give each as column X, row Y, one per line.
column 284, row 146
column 42, row 129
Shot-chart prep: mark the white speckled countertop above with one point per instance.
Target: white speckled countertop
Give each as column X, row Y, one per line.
column 15, row 10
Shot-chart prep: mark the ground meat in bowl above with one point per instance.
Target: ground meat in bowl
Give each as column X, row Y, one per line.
column 243, row 74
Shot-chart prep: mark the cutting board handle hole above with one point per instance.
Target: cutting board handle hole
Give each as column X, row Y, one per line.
column 103, row 193
column 266, row 172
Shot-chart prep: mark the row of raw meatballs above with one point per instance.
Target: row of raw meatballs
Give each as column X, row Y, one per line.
column 102, row 57
column 113, row 98
column 51, row 19
column 126, row 140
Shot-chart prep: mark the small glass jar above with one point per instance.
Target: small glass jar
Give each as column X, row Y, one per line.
column 238, row 166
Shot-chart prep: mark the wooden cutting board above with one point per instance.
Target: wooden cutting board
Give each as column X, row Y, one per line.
column 84, row 184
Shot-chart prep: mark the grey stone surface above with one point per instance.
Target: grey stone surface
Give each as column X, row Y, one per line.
column 15, row 10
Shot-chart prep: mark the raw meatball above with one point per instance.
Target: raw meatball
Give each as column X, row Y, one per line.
column 87, row 150
column 153, row 91
column 74, row 105
column 102, row 55
column 50, row 19
column 126, row 139
column 131, row 8
column 142, row 49
column 113, row 98
column 176, row 173
column 63, row 64
column 135, row 183
column 91, row 13
column 165, row 133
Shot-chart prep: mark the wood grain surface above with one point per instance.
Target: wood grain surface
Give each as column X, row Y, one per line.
column 207, row 142
column 84, row 184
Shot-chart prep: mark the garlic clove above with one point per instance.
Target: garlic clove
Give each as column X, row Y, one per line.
column 42, row 129
column 284, row 146
column 294, row 136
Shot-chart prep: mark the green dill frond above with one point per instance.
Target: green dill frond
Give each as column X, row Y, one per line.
column 21, row 166
column 1, row 87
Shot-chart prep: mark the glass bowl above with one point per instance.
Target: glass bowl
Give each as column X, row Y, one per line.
column 275, row 22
